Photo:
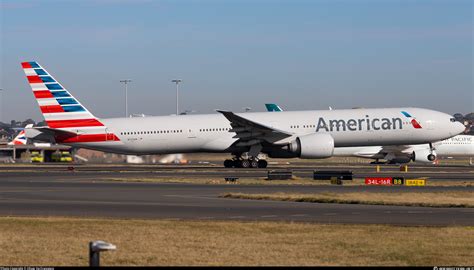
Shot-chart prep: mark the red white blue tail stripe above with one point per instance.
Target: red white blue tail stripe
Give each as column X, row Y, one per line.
column 20, row 139
column 59, row 108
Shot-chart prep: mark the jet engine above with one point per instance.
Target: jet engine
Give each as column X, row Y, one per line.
column 423, row 155
column 316, row 145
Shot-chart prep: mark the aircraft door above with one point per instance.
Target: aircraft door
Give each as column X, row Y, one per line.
column 191, row 133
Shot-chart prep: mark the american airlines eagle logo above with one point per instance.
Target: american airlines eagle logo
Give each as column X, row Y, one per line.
column 413, row 120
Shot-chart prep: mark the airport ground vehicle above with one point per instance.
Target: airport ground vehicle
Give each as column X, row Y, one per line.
column 36, row 157
column 303, row 134
column 61, row 156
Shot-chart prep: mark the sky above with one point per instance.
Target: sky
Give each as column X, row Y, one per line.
column 232, row 54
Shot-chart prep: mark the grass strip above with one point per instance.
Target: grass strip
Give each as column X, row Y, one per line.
column 461, row 199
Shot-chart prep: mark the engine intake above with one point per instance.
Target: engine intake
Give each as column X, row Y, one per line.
column 316, row 145
column 424, row 155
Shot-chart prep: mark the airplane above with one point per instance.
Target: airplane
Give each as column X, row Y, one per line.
column 303, row 134
column 272, row 107
column 21, row 139
column 457, row 146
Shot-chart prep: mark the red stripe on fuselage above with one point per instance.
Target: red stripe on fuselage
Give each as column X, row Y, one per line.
column 52, row 109
column 26, row 65
column 74, row 123
column 34, row 79
column 43, row 94
column 89, row 138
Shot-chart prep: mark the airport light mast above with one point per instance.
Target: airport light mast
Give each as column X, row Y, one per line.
column 177, row 81
column 1, row 104
column 126, row 95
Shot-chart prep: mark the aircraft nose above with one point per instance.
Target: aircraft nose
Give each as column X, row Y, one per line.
column 458, row 128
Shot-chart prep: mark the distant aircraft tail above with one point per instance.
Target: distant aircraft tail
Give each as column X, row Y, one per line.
column 59, row 108
column 20, row 139
column 272, row 107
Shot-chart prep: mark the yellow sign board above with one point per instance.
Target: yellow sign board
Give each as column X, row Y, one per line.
column 415, row 182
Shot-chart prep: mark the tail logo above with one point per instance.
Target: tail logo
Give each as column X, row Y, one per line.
column 413, row 121
column 20, row 139
column 63, row 111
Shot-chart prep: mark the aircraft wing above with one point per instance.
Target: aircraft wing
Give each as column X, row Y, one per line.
column 250, row 132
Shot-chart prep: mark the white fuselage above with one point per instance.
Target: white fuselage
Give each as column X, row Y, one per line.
column 210, row 133
column 457, row 146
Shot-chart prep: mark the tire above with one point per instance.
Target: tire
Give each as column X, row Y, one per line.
column 237, row 163
column 245, row 163
column 254, row 163
column 262, row 163
column 431, row 157
column 228, row 163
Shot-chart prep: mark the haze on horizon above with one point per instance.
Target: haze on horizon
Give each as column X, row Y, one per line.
column 240, row 53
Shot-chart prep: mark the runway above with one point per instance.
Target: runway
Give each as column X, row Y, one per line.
column 58, row 192
column 446, row 173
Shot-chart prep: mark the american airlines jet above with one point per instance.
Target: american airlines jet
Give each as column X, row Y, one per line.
column 303, row 134
column 457, row 146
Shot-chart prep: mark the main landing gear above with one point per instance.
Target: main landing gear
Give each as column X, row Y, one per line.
column 245, row 163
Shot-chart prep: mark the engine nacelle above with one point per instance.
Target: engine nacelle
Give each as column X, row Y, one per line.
column 423, row 155
column 316, row 145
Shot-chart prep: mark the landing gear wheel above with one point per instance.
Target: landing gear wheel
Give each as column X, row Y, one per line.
column 254, row 163
column 431, row 157
column 245, row 163
column 262, row 163
column 228, row 163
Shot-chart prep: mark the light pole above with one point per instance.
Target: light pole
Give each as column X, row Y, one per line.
column 126, row 95
column 177, row 81
column 1, row 104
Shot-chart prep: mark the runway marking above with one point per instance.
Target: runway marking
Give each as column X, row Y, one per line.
column 300, row 215
column 269, row 216
column 234, row 217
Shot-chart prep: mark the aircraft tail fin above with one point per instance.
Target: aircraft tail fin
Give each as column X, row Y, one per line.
column 20, row 139
column 272, row 107
column 59, row 108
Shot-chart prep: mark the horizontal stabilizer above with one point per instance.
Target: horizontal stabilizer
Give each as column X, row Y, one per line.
column 46, row 134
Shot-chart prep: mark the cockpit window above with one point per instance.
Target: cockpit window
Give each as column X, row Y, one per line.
column 452, row 119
